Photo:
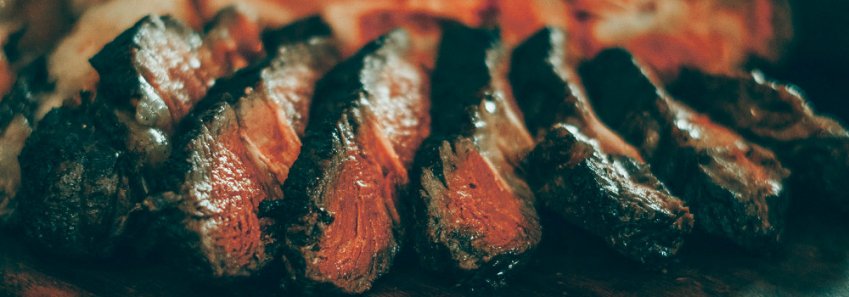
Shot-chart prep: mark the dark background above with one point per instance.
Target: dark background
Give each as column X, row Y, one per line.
column 818, row 58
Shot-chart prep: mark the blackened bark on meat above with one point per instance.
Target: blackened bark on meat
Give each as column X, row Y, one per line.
column 815, row 148
column 734, row 188
column 151, row 75
column 584, row 172
column 368, row 118
column 473, row 214
column 17, row 110
column 614, row 197
column 232, row 153
column 77, row 190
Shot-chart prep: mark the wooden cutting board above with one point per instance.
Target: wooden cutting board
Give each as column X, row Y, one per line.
column 813, row 261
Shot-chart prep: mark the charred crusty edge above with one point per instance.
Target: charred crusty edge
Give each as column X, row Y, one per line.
column 155, row 61
column 77, row 191
column 815, row 148
column 156, row 71
column 734, row 188
column 343, row 226
column 234, row 152
column 583, row 171
column 473, row 215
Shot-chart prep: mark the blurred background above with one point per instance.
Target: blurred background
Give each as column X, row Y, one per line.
column 818, row 58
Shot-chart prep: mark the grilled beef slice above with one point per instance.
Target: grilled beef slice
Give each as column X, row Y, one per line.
column 157, row 70
column 473, row 215
column 734, row 188
column 581, row 170
column 815, row 148
column 235, row 152
column 150, row 76
column 368, row 118
column 17, row 120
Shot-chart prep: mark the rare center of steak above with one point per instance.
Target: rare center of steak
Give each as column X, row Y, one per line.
column 234, row 151
column 474, row 214
column 342, row 197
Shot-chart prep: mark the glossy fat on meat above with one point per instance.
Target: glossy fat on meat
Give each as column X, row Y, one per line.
column 236, row 153
column 342, row 197
column 814, row 147
column 735, row 188
column 474, row 215
column 270, row 13
column 582, row 170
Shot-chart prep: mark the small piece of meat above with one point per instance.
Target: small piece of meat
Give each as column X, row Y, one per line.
column 734, row 188
column 342, row 197
column 16, row 123
column 473, row 215
column 235, row 152
column 583, row 171
column 77, row 191
column 815, row 148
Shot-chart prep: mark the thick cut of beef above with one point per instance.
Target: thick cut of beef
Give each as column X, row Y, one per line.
column 156, row 71
column 815, row 148
column 584, row 172
column 17, row 118
column 151, row 75
column 341, row 207
column 76, row 191
column 235, row 152
column 734, row 188
column 473, row 214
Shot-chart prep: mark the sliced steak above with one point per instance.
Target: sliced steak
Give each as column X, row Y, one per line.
column 815, row 148
column 735, row 188
column 473, row 214
column 581, row 170
column 151, row 74
column 235, row 151
column 369, row 116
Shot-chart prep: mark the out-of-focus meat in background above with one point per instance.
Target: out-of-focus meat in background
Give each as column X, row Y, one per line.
column 713, row 35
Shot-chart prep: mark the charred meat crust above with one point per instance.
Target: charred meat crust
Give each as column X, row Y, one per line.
column 473, row 215
column 734, row 188
column 78, row 191
column 605, row 191
column 157, row 60
column 613, row 197
column 343, row 224
column 233, row 152
column 815, row 148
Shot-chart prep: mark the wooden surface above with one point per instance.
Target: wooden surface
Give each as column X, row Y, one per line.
column 812, row 262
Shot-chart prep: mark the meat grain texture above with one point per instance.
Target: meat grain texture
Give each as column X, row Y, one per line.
column 342, row 222
column 473, row 214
